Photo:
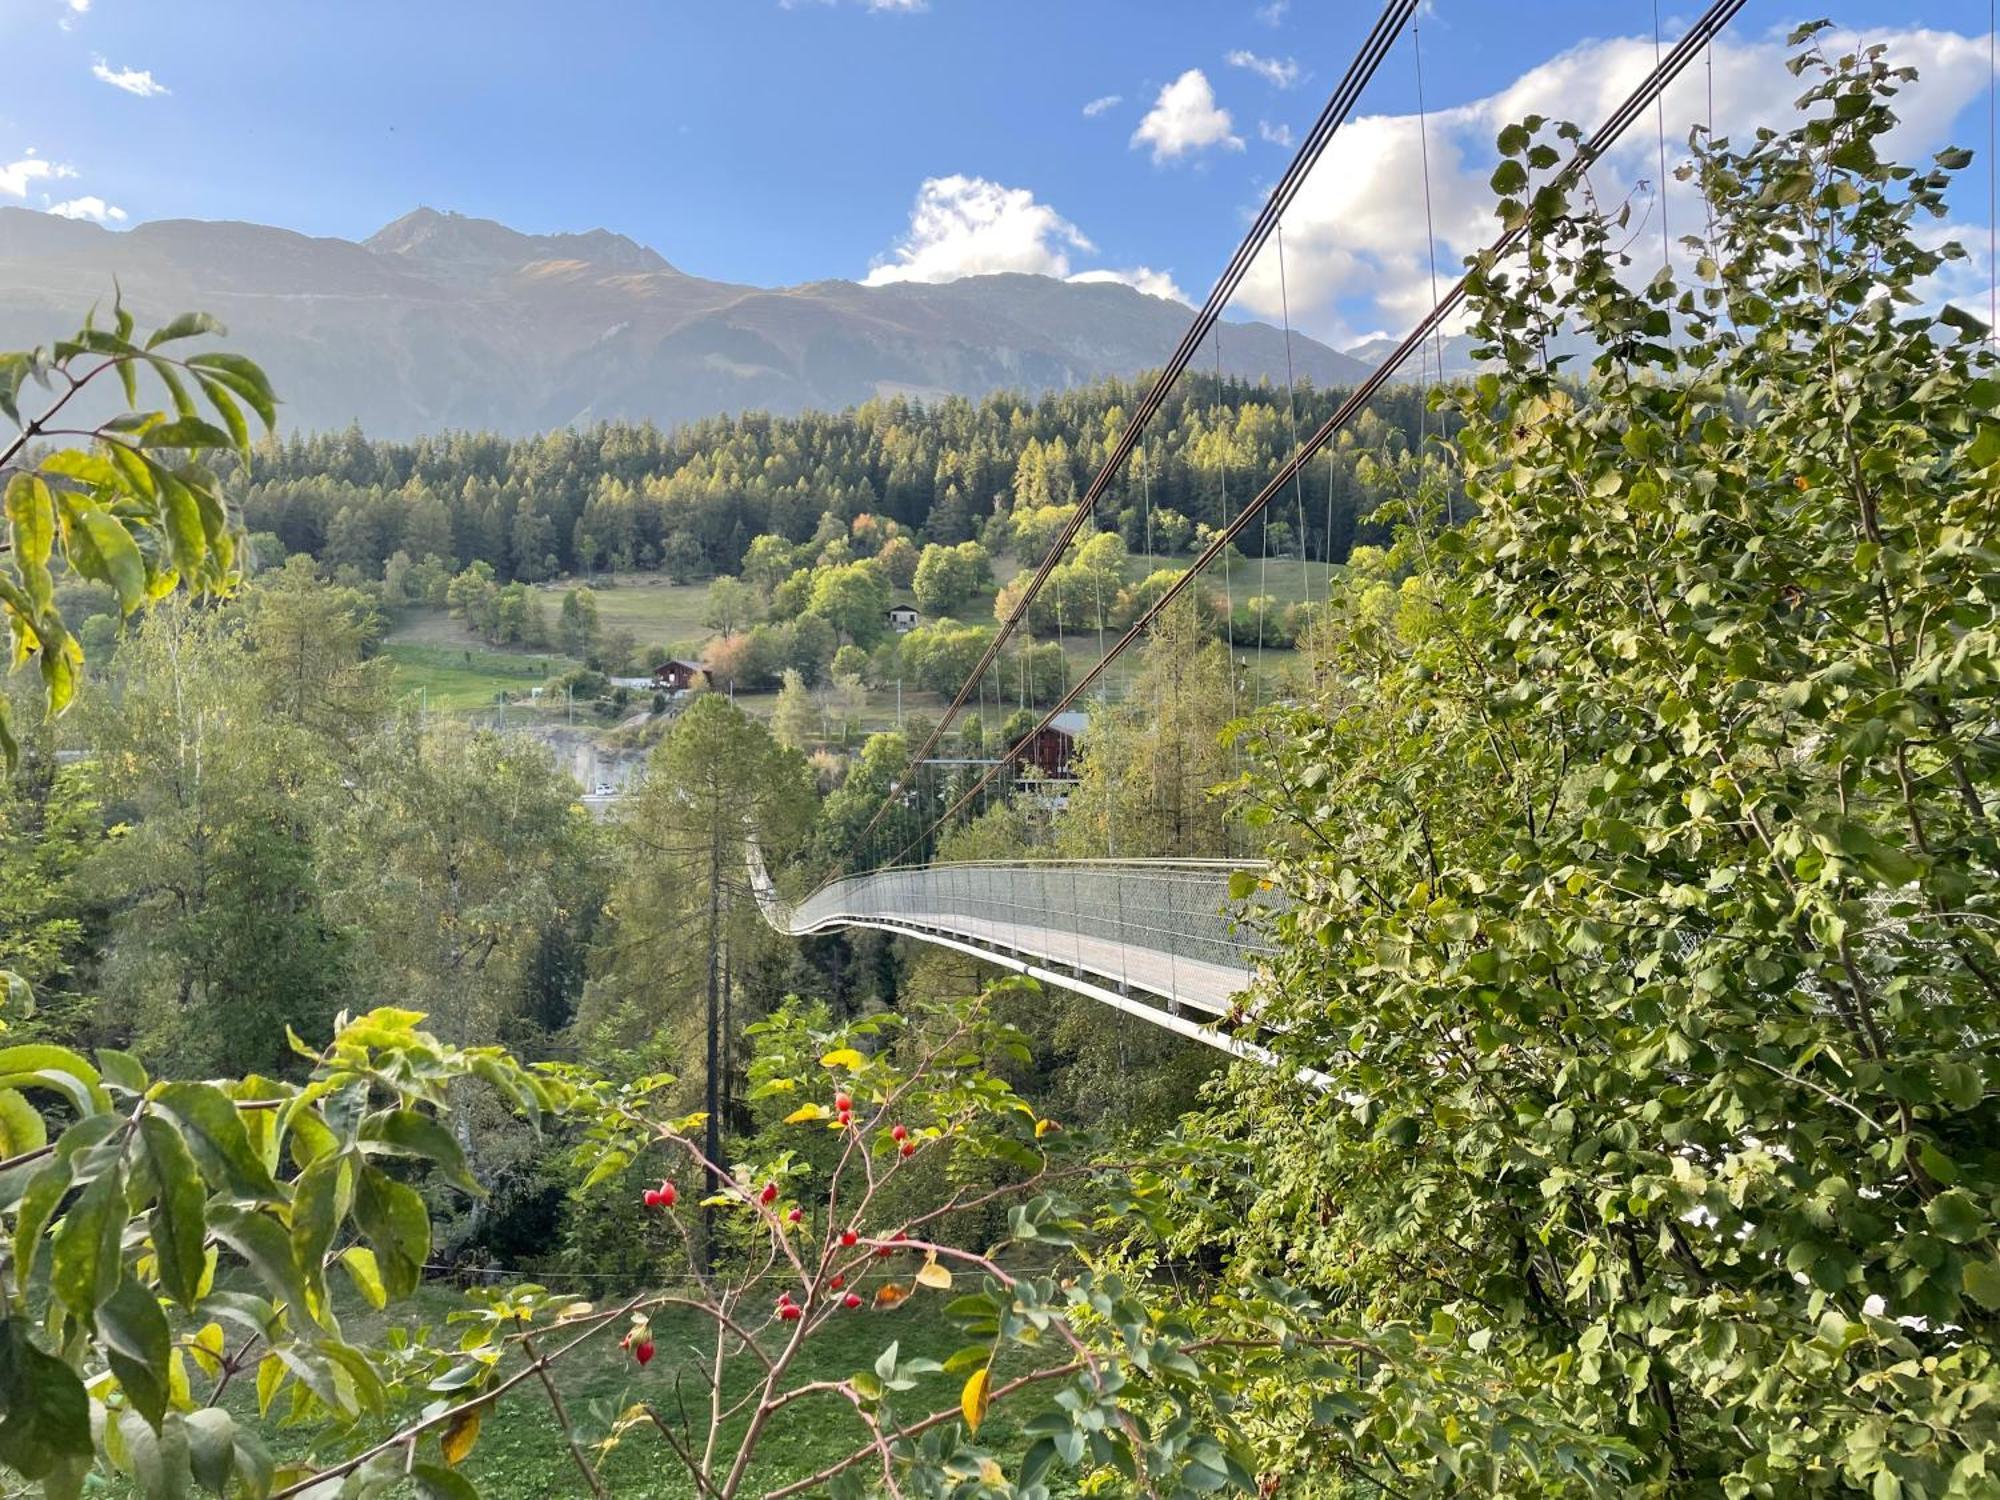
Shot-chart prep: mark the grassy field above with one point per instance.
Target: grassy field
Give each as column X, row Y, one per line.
column 451, row 678
column 654, row 610
column 521, row 1453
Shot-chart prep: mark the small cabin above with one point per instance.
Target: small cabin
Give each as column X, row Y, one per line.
column 902, row 619
column 676, row 676
column 1051, row 751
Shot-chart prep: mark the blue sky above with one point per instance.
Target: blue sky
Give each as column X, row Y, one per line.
column 773, row 142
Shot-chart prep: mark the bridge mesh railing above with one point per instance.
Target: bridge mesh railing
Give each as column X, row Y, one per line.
column 1101, row 915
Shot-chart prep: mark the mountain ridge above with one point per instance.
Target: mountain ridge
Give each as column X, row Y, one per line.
column 443, row 321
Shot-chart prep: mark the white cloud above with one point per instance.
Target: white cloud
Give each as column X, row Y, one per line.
column 1273, row 14
column 74, row 9
column 137, row 81
column 1276, row 135
column 1356, row 253
column 1141, row 278
column 968, row 226
column 1185, row 118
column 92, row 208
column 1097, row 107
column 903, row 5
column 15, row 176
column 1279, row 72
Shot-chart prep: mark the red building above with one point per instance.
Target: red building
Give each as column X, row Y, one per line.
column 676, row 676
column 1051, row 752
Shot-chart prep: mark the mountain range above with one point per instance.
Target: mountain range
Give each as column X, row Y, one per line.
column 441, row 322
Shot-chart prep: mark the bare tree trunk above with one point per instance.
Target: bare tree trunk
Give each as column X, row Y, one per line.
column 712, row 1137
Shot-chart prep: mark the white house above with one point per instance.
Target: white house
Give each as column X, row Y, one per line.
column 902, row 619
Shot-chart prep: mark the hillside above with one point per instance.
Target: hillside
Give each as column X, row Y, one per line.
column 440, row 321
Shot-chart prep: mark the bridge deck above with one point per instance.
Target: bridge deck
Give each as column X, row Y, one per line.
column 1104, row 929
column 1184, row 981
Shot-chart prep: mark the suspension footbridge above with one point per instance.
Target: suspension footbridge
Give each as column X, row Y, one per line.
column 1157, row 939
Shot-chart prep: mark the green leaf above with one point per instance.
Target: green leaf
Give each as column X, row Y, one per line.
column 435, row 1482
column 265, row 1247
column 84, row 1264
column 181, row 513
column 243, row 376
column 222, row 1146
column 160, row 1460
column 122, row 1069
column 417, row 1134
column 318, row 1204
column 113, row 557
column 186, row 326
column 39, row 1202
column 186, row 432
column 1982, row 1283
column 212, row 1448
column 1956, row 1217
column 1509, row 178
column 178, row 1226
column 392, row 1217
column 137, row 1343
column 47, row 1411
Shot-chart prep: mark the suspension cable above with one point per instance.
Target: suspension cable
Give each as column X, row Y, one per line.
column 1701, row 34
column 1388, row 26
column 1292, row 412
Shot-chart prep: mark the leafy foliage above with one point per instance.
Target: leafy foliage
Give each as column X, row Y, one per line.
column 136, row 508
column 176, row 1232
column 1643, row 867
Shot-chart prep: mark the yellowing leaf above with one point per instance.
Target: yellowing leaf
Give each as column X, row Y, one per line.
column 270, row 1375
column 933, row 1275
column 207, row 1348
column 459, row 1435
column 806, row 1112
column 1044, row 1127
column 972, row 1400
column 844, row 1057
column 888, row 1294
